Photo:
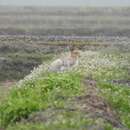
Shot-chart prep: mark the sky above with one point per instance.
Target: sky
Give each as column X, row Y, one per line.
column 66, row 2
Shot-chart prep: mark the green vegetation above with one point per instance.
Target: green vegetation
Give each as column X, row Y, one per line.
column 68, row 123
column 95, row 95
column 16, row 65
column 114, row 84
column 47, row 91
column 119, row 97
column 45, row 100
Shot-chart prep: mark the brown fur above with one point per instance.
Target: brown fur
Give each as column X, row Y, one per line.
column 66, row 63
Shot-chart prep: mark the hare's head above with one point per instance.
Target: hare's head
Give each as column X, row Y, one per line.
column 75, row 53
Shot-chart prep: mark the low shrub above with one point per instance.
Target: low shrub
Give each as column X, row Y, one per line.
column 119, row 97
column 35, row 95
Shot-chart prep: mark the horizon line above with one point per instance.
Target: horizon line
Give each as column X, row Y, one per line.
column 85, row 6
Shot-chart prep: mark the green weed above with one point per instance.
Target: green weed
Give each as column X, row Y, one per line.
column 37, row 95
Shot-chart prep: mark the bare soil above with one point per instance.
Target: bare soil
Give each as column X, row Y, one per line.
column 96, row 107
column 91, row 105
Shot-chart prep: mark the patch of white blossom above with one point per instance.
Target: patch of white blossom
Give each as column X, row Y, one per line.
column 35, row 74
column 91, row 61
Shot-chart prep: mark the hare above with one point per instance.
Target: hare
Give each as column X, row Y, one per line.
column 65, row 63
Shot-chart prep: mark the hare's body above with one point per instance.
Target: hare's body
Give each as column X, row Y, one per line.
column 65, row 63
